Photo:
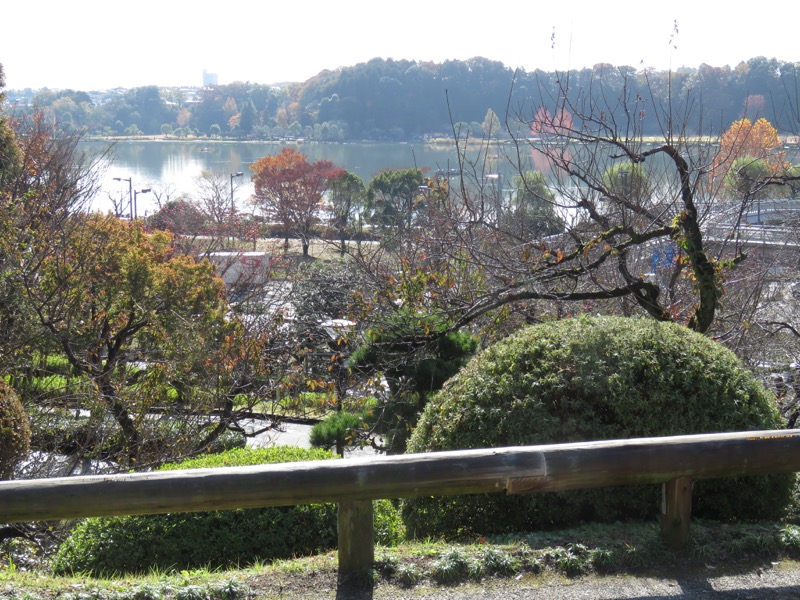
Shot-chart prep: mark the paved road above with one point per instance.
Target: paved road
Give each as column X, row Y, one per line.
column 289, row 434
column 295, row 434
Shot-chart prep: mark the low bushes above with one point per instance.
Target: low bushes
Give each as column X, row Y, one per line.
column 594, row 379
column 216, row 539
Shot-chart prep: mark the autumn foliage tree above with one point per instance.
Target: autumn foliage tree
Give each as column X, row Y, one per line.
column 758, row 140
column 544, row 123
column 128, row 312
column 289, row 189
column 43, row 184
column 180, row 217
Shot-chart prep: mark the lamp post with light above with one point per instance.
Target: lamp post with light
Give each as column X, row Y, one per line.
column 135, row 194
column 130, row 193
column 233, row 175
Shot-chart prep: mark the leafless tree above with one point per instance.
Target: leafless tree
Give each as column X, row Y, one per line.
column 215, row 200
column 665, row 246
column 162, row 195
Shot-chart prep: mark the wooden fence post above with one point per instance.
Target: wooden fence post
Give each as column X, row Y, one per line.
column 356, row 535
column 676, row 511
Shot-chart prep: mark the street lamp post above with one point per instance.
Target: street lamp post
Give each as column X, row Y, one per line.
column 135, row 194
column 237, row 174
column 130, row 193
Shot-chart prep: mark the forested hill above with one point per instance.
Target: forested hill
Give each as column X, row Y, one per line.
column 402, row 99
column 406, row 98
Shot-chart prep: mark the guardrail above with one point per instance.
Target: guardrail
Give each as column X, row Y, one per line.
column 672, row 461
column 775, row 236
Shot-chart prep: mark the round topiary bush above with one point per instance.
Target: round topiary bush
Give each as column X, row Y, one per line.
column 216, row 539
column 15, row 432
column 594, row 379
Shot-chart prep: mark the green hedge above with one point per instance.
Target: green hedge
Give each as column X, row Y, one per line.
column 594, row 379
column 218, row 539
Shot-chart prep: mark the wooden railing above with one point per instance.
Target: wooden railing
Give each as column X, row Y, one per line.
column 672, row 461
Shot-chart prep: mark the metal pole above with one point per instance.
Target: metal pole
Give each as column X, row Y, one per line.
column 237, row 174
column 135, row 201
column 130, row 193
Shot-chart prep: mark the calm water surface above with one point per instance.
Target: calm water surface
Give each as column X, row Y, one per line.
column 174, row 166
column 163, row 165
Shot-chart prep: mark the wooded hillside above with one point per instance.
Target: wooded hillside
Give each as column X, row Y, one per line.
column 403, row 99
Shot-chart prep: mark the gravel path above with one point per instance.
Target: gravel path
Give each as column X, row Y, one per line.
column 771, row 584
column 774, row 581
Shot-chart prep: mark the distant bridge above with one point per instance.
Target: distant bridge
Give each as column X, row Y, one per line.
column 772, row 224
column 754, row 236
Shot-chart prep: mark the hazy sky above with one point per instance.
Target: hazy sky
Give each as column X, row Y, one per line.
column 96, row 44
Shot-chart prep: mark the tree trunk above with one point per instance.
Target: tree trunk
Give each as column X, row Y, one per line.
column 123, row 418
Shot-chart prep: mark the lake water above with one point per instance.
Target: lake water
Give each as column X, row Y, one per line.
column 162, row 165
column 174, row 165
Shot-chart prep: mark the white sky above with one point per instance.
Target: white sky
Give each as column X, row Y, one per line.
column 96, row 44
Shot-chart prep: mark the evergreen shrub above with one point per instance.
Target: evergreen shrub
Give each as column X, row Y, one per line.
column 337, row 430
column 216, row 539
column 594, row 379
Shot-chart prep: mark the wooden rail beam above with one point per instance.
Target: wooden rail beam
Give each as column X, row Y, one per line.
column 515, row 470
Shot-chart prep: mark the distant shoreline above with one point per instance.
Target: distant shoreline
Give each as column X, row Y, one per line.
column 473, row 142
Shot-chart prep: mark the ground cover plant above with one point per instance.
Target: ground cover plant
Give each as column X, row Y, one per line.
column 594, row 378
column 217, row 539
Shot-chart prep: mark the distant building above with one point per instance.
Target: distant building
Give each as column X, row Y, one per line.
column 210, row 78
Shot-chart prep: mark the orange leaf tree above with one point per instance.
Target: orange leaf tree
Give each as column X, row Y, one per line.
column 758, row 140
column 290, row 190
column 124, row 308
